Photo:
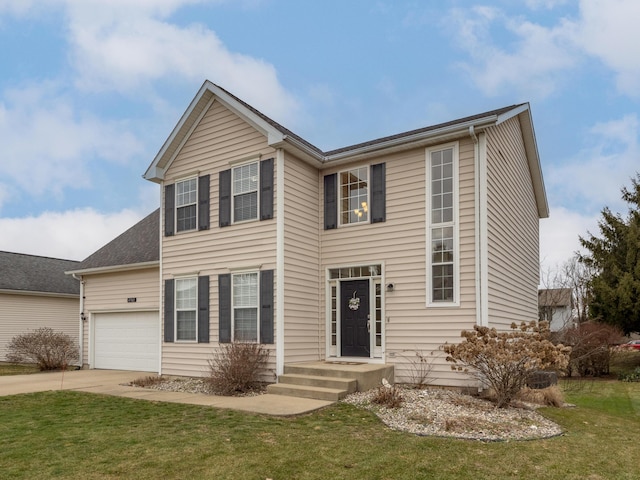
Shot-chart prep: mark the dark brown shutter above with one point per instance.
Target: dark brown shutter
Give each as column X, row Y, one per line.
column 331, row 201
column 203, row 309
column 266, row 306
column 203, row 202
column 266, row 189
column 224, row 308
column 168, row 310
column 378, row 193
column 169, row 209
column 225, row 198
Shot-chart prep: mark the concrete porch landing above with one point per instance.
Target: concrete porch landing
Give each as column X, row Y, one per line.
column 326, row 380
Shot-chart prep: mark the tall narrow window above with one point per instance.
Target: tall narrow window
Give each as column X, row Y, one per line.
column 245, row 192
column 186, row 204
column 354, row 196
column 186, row 309
column 245, row 307
column 442, row 248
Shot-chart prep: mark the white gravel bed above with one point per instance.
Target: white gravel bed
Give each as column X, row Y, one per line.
column 446, row 413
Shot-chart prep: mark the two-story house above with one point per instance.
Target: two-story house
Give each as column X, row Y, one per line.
column 365, row 254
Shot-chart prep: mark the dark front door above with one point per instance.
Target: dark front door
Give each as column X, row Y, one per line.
column 354, row 317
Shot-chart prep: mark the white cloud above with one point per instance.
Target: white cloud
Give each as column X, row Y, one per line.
column 127, row 49
column 608, row 30
column 559, row 235
column 47, row 144
column 593, row 179
column 532, row 61
column 71, row 235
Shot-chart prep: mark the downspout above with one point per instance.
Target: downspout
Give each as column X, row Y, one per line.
column 279, row 320
column 82, row 318
column 481, row 239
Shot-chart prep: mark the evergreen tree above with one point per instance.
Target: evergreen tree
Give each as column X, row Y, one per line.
column 615, row 257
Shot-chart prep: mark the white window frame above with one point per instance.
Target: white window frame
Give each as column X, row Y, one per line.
column 195, row 203
column 362, row 208
column 234, row 194
column 177, row 309
column 454, row 224
column 233, row 304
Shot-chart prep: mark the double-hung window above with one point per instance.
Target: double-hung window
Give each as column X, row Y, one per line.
column 354, row 196
column 245, row 307
column 186, row 308
column 245, row 192
column 186, row 204
column 442, row 249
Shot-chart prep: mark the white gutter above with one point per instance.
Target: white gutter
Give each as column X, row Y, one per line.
column 82, row 318
column 279, row 320
column 115, row 268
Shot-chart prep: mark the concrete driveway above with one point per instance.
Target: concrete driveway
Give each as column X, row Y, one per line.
column 114, row 382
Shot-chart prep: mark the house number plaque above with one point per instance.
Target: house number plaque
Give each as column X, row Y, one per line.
column 132, row 300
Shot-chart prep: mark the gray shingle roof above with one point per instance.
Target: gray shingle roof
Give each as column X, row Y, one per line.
column 139, row 244
column 31, row 273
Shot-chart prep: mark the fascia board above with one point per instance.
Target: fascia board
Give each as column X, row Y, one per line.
column 114, row 268
column 533, row 159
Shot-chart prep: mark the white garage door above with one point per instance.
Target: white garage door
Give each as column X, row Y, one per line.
column 127, row 341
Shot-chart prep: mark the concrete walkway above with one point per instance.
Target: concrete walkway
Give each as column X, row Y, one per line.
column 113, row 382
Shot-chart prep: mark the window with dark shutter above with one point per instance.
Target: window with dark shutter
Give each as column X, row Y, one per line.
column 330, row 201
column 224, row 308
column 203, row 309
column 203, row 202
column 266, row 189
column 168, row 310
column 378, row 193
column 266, row 306
column 169, row 205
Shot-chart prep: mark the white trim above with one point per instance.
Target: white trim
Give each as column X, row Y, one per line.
column 161, row 292
column 280, row 251
column 257, row 307
column 39, row 294
column 455, row 224
column 176, row 206
column 367, row 167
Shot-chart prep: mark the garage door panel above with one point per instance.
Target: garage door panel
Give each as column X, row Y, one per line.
column 127, row 341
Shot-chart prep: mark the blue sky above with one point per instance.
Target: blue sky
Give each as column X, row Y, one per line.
column 89, row 91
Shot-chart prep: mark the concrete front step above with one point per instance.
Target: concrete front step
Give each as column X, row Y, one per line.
column 306, row 391
column 348, row 384
column 367, row 375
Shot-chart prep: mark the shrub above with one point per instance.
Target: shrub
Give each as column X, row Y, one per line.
column 633, row 376
column 388, row 396
column 420, row 368
column 46, row 348
column 236, row 367
column 148, row 381
column 550, row 396
column 591, row 348
column 504, row 361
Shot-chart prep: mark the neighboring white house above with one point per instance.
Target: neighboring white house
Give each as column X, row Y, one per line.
column 34, row 293
column 555, row 305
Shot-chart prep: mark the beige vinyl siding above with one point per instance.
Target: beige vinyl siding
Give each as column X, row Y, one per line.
column 24, row 313
column 108, row 292
column 400, row 244
column 304, row 325
column 512, row 225
column 219, row 141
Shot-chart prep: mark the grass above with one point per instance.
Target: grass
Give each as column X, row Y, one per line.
column 17, row 368
column 68, row 434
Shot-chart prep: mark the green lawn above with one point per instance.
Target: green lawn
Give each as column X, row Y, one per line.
column 80, row 435
column 17, row 368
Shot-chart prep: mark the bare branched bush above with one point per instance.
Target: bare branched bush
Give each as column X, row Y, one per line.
column 504, row 361
column 236, row 367
column 420, row 368
column 388, row 396
column 550, row 396
column 591, row 348
column 48, row 349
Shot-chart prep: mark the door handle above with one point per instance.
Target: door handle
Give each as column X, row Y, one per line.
column 368, row 325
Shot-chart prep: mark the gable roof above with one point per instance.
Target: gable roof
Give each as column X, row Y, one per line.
column 31, row 273
column 136, row 247
column 281, row 137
